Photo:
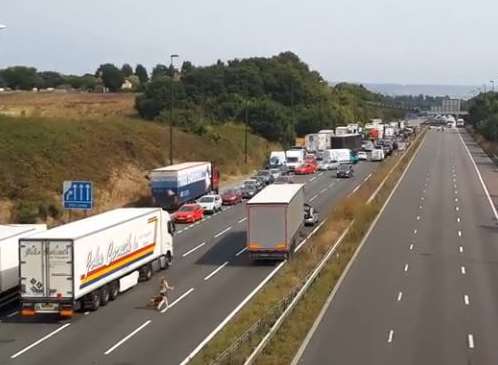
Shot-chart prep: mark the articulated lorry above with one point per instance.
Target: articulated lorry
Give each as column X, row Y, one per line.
column 87, row 263
column 316, row 142
column 175, row 185
column 275, row 217
column 351, row 141
column 9, row 257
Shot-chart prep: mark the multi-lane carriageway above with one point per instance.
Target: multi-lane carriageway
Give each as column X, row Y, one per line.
column 212, row 276
column 423, row 289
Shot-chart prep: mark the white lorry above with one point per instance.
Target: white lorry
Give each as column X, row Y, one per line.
column 275, row 217
column 341, row 155
column 9, row 257
column 377, row 154
column 87, row 263
column 295, row 158
column 316, row 142
column 277, row 159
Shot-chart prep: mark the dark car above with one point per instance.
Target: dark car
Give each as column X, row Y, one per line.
column 260, row 181
column 310, row 215
column 249, row 190
column 231, row 197
column 345, row 170
column 266, row 175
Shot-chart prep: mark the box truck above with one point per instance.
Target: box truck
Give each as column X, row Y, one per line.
column 316, row 142
column 277, row 159
column 295, row 158
column 9, row 257
column 175, row 185
column 351, row 141
column 87, row 263
column 275, row 217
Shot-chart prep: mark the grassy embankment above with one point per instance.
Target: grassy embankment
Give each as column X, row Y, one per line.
column 490, row 147
column 48, row 138
column 265, row 307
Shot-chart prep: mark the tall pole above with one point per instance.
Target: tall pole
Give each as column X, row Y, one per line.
column 173, row 56
column 492, row 85
column 246, row 131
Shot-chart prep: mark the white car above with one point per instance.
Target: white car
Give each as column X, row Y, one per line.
column 323, row 165
column 333, row 165
column 211, row 203
column 362, row 155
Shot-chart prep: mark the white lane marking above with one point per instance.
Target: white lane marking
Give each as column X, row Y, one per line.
column 301, row 244
column 411, row 247
column 323, row 190
column 86, row 313
column 470, row 338
column 400, row 296
column 223, row 232
column 422, row 198
column 320, row 174
column 466, row 299
column 368, row 177
column 356, row 189
column 232, row 314
column 420, row 207
column 454, row 186
column 457, row 208
column 194, row 249
column 458, row 219
column 216, row 271
column 460, row 249
column 456, row 200
column 313, row 198
column 462, row 270
column 242, row 220
column 145, row 324
column 418, row 217
column 184, row 295
column 186, row 228
column 313, row 179
column 406, row 268
column 241, row 251
column 390, row 336
column 456, row 192
column 40, row 341
column 12, row 314
column 459, row 233
column 180, row 231
column 424, row 191
column 415, row 231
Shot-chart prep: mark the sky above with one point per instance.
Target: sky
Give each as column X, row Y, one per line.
column 391, row 41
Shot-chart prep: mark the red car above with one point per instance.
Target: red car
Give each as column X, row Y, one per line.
column 231, row 197
column 311, row 159
column 189, row 213
column 305, row 169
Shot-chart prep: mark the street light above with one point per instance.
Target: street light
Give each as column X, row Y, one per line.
column 172, row 57
column 492, row 85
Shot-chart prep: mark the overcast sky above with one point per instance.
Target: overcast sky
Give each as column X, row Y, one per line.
column 418, row 41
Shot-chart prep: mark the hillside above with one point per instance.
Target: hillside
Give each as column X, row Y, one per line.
column 57, row 137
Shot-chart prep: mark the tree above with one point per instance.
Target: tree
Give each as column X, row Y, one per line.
column 159, row 71
column 111, row 76
column 186, row 67
column 126, row 70
column 158, row 96
column 141, row 72
column 50, row 79
column 21, row 77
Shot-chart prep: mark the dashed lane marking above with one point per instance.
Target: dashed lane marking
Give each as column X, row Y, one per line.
column 216, row 271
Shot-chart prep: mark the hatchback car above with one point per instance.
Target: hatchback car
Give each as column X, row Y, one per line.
column 249, row 190
column 310, row 215
column 362, row 155
column 305, row 169
column 210, row 203
column 260, row 181
column 275, row 173
column 266, row 175
column 189, row 213
column 345, row 170
column 231, row 197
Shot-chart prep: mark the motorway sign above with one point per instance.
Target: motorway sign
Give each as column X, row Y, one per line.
column 77, row 195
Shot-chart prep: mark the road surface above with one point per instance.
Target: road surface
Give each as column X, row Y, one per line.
column 423, row 289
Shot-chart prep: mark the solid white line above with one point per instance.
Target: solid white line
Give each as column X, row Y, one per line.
column 400, row 295
column 178, row 300
column 406, row 268
column 466, row 299
column 460, row 249
column 463, row 271
column 356, row 189
column 232, row 314
column 313, row 198
column 222, row 232
column 493, row 208
column 216, row 271
column 390, row 336
column 194, row 249
column 39, row 341
column 145, row 324
column 471, row 340
column 411, row 247
column 241, row 251
column 242, row 220
column 368, row 177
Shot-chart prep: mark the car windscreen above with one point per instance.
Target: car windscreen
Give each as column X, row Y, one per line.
column 292, row 159
column 206, row 199
column 186, row 208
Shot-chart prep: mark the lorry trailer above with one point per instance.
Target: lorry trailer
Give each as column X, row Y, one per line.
column 275, row 217
column 174, row 185
column 351, row 141
column 87, row 263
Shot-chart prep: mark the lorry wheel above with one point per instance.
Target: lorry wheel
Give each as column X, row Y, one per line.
column 164, row 262
column 146, row 272
column 114, row 290
column 104, row 295
column 93, row 302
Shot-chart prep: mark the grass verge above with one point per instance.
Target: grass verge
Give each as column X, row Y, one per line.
column 236, row 341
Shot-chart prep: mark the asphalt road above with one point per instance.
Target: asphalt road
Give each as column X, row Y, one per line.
column 211, row 274
column 423, row 288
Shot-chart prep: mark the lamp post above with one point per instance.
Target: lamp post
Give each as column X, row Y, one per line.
column 172, row 57
column 492, row 82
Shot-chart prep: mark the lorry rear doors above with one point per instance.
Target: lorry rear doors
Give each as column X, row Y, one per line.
column 46, row 269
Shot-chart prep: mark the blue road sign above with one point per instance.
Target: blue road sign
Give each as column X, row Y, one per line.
column 77, row 195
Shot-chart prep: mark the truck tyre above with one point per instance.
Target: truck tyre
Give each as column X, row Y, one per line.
column 104, row 295
column 93, row 302
column 164, row 262
column 113, row 290
column 146, row 272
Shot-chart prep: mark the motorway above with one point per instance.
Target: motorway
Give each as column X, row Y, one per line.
column 422, row 289
column 211, row 274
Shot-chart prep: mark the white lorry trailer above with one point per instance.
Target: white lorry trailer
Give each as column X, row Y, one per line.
column 9, row 257
column 316, row 142
column 87, row 263
column 275, row 217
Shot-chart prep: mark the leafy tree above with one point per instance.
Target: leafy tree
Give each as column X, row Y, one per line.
column 159, row 71
column 50, row 79
column 21, row 77
column 142, row 74
column 111, row 76
column 159, row 94
column 126, row 70
column 186, row 67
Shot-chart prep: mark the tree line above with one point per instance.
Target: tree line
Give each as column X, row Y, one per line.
column 483, row 114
